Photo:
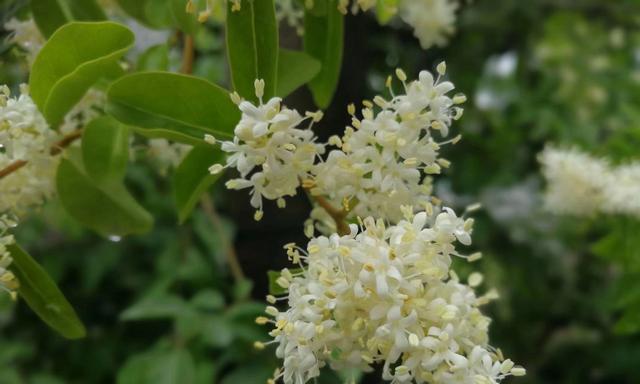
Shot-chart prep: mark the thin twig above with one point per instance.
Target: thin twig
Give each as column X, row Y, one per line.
column 338, row 215
column 229, row 251
column 56, row 149
column 188, row 55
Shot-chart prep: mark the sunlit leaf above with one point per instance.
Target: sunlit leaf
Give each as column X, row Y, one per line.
column 76, row 56
column 172, row 106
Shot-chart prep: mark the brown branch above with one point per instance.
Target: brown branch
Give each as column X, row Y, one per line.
column 56, row 149
column 65, row 142
column 188, row 55
column 6, row 171
column 230, row 252
column 338, row 215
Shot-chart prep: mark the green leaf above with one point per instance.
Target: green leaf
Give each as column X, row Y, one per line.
column 174, row 366
column 50, row 15
column 385, row 10
column 173, row 106
column 43, row 296
column 252, row 47
column 188, row 23
column 135, row 9
column 192, row 178
column 155, row 58
column 208, row 300
column 629, row 323
column 107, row 209
column 105, row 150
column 76, row 56
column 156, row 307
column 295, row 69
column 323, row 40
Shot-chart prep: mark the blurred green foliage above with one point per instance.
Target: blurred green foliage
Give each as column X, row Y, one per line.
column 162, row 307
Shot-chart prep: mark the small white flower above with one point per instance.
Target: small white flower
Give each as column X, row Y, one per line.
column 8, row 281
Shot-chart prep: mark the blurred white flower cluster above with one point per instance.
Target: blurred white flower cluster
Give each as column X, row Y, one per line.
column 381, row 163
column 8, row 281
column 292, row 12
column 270, row 150
column 386, row 294
column 24, row 137
column 25, row 34
column 433, row 21
column 582, row 185
column 165, row 155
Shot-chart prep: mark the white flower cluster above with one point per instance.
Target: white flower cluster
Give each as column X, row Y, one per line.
column 24, row 137
column 8, row 281
column 386, row 295
column 433, row 21
column 269, row 149
column 26, row 35
column 582, row 185
column 383, row 161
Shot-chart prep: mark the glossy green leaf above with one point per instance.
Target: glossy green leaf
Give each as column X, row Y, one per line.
column 173, row 106
column 107, row 209
column 76, row 56
column 323, row 40
column 192, row 178
column 152, row 13
column 43, row 296
column 252, row 46
column 105, row 150
column 155, row 58
column 295, row 69
column 50, row 15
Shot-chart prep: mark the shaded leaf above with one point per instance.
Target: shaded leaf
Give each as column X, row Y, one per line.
column 192, row 178
column 323, row 40
column 43, row 296
column 155, row 307
column 295, row 69
column 105, row 149
column 107, row 209
column 50, row 15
